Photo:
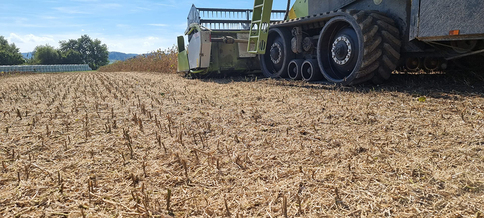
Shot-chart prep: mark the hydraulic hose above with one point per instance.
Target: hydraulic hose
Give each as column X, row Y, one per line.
column 287, row 9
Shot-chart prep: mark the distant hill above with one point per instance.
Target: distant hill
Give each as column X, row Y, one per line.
column 113, row 56
column 27, row 55
column 119, row 56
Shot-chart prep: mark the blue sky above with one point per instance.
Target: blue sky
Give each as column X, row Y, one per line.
column 125, row 25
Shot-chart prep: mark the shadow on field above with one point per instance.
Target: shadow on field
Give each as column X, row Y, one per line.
column 447, row 85
column 437, row 85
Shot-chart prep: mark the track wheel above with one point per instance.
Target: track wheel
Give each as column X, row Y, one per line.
column 294, row 69
column 278, row 53
column 359, row 47
column 412, row 63
column 310, row 70
column 431, row 64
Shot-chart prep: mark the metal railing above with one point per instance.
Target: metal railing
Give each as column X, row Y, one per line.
column 226, row 19
column 45, row 68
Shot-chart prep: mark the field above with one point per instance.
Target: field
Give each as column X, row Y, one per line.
column 123, row 144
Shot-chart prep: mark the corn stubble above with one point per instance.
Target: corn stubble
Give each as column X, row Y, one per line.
column 123, row 144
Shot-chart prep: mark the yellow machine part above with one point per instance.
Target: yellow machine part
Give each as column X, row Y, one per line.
column 299, row 9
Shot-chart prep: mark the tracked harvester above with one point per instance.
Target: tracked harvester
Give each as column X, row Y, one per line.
column 342, row 41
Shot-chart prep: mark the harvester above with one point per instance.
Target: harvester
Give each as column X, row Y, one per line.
column 342, row 41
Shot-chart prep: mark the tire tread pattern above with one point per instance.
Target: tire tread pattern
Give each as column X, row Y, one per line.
column 381, row 46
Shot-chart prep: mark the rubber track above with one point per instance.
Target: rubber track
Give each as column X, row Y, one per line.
column 381, row 46
column 390, row 47
column 381, row 41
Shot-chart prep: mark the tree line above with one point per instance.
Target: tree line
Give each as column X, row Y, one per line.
column 83, row 50
column 9, row 53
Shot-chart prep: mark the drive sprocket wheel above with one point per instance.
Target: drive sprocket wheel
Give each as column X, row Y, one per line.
column 358, row 47
column 278, row 53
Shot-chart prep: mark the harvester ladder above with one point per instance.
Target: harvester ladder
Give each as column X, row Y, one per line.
column 259, row 26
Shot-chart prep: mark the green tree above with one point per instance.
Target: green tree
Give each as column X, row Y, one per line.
column 46, row 54
column 9, row 53
column 71, row 57
column 91, row 52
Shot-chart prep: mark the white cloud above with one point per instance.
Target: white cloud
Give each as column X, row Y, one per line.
column 28, row 42
column 48, row 17
column 143, row 9
column 71, row 10
column 166, row 5
column 138, row 45
column 158, row 24
column 109, row 5
column 122, row 25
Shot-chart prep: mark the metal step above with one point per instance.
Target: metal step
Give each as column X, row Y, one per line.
column 259, row 27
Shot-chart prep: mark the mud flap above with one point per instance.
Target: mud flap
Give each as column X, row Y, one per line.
column 183, row 65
